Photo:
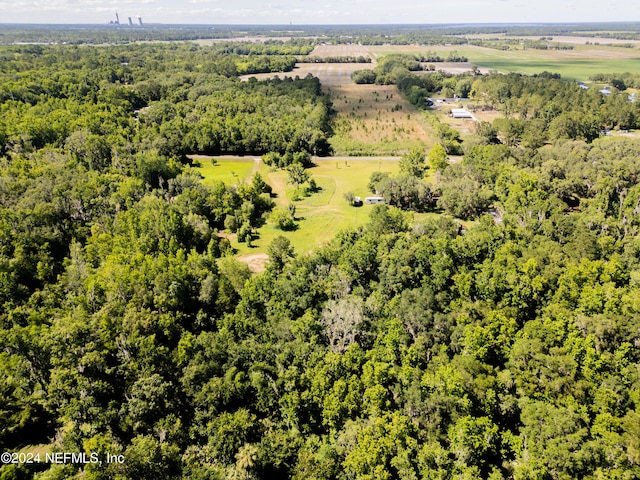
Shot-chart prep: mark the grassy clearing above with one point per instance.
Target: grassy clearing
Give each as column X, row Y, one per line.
column 319, row 216
column 229, row 170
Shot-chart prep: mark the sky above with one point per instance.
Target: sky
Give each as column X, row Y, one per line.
column 300, row 12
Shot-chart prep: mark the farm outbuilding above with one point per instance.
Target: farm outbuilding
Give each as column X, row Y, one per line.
column 460, row 113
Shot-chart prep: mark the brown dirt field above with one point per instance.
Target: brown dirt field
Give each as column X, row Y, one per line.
column 256, row 262
column 351, row 50
column 329, row 73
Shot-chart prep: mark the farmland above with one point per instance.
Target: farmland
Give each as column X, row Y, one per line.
column 577, row 64
column 371, row 119
column 375, row 120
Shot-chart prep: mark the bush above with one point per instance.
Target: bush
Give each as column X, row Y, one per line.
column 282, row 219
column 285, row 160
column 364, row 77
column 231, row 223
column 244, row 233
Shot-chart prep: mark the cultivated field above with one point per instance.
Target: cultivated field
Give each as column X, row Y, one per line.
column 371, row 119
column 351, row 50
column 575, row 40
column 577, row 64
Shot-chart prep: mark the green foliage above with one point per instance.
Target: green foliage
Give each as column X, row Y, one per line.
column 280, row 251
column 364, row 77
column 549, row 108
column 385, row 219
column 413, row 163
column 287, row 159
column 297, row 175
column 349, row 197
column 437, row 158
column 400, row 349
column 463, row 194
column 282, row 219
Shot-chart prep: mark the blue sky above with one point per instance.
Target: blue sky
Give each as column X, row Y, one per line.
column 318, row 12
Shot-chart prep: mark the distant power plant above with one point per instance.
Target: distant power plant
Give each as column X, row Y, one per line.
column 131, row 24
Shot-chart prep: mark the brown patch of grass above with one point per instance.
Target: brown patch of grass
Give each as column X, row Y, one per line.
column 377, row 115
column 330, row 74
column 256, row 262
column 352, row 50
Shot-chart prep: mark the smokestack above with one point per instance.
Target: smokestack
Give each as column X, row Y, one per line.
column 130, row 21
column 117, row 19
column 140, row 20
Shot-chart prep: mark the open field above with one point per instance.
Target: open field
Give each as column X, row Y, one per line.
column 229, row 170
column 576, row 40
column 351, row 50
column 577, row 64
column 371, row 119
column 323, row 214
column 319, row 216
column 376, row 120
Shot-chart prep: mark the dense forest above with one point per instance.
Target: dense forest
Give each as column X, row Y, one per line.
column 401, row 350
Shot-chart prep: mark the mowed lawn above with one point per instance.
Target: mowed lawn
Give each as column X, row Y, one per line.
column 229, row 170
column 323, row 214
column 320, row 216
